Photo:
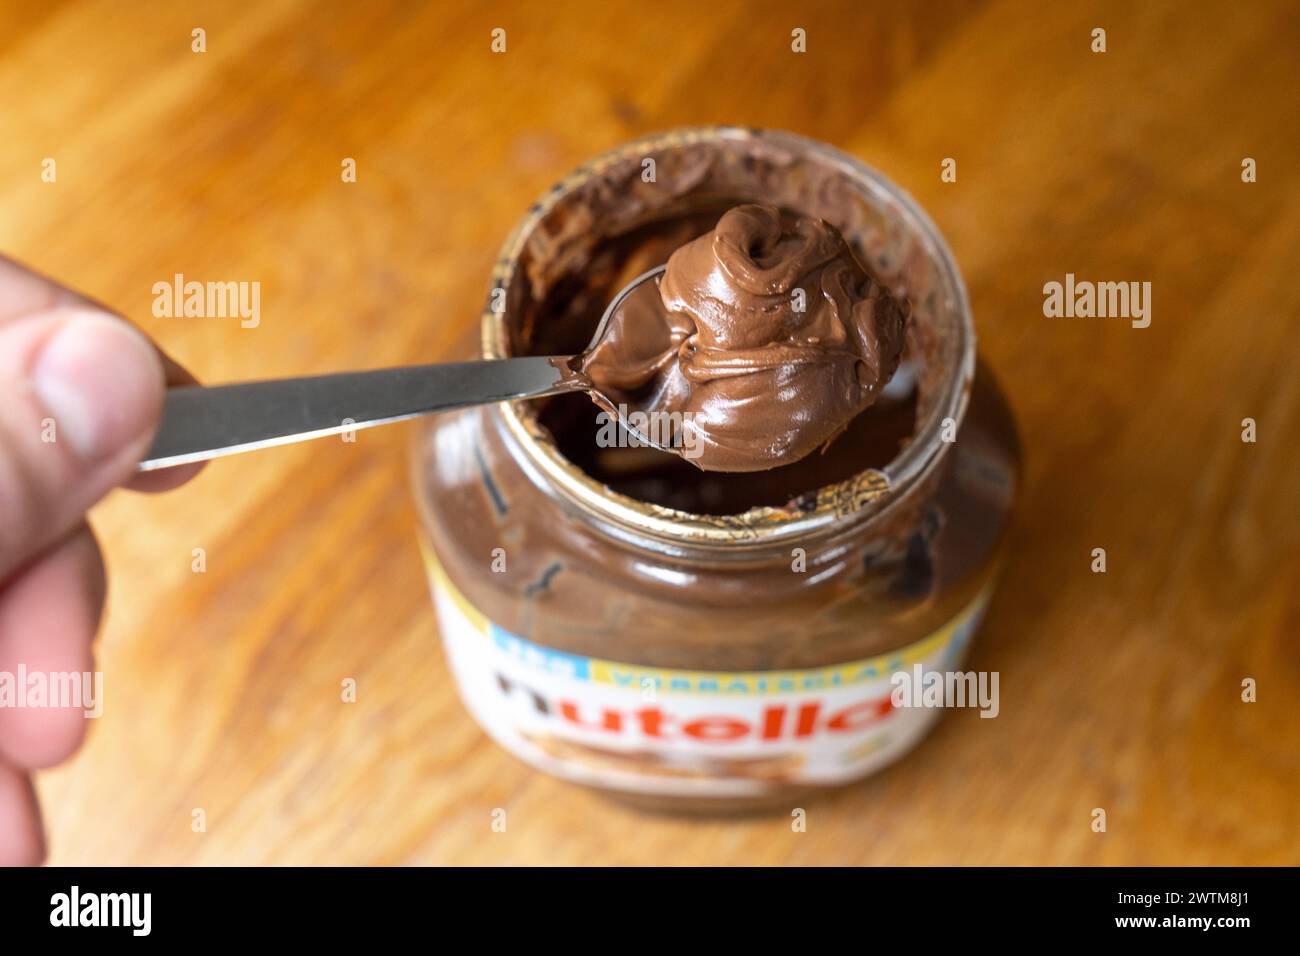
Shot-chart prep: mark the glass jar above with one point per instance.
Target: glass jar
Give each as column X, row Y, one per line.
column 739, row 654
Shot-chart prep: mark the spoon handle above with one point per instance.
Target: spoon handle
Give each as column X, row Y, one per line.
column 201, row 422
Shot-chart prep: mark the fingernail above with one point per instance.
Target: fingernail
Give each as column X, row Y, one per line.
column 100, row 382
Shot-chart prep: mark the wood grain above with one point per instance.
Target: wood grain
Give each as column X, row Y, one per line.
column 1119, row 690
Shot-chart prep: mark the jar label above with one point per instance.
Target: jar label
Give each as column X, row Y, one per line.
column 678, row 732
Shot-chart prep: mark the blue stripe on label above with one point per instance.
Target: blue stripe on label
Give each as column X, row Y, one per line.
column 553, row 662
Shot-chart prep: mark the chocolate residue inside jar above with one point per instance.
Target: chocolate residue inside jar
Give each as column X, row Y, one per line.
column 563, row 323
column 757, row 346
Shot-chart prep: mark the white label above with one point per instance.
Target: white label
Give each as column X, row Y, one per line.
column 707, row 733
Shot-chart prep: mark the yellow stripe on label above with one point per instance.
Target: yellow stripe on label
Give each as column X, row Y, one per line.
column 440, row 581
column 758, row 683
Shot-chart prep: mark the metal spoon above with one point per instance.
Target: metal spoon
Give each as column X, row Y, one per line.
column 200, row 422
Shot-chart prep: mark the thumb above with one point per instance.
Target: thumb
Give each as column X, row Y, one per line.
column 80, row 397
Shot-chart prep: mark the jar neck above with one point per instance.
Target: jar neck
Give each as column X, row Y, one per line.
column 869, row 504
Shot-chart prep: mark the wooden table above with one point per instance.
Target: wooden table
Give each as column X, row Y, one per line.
column 1119, row 690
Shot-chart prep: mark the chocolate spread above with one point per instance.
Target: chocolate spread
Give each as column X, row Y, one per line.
column 766, row 336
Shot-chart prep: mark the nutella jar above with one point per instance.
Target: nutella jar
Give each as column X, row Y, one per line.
column 698, row 640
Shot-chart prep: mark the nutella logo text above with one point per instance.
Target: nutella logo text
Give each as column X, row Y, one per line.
column 773, row 722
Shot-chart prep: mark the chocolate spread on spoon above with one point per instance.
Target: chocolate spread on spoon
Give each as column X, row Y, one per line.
column 765, row 336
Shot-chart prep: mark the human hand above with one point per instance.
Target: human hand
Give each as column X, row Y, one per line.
column 80, row 396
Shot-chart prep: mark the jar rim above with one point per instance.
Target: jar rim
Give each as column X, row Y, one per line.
column 837, row 506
